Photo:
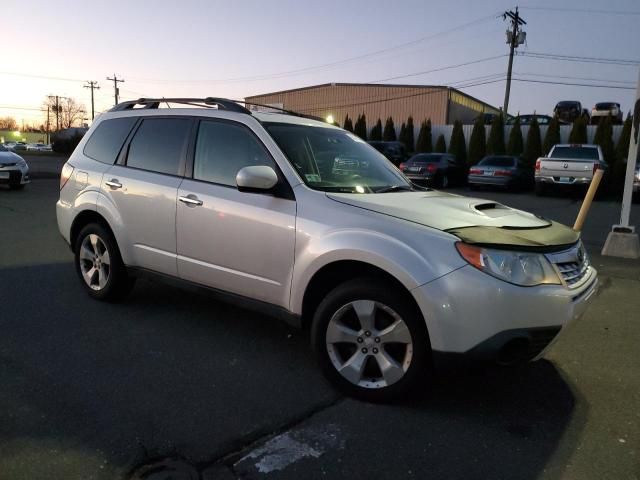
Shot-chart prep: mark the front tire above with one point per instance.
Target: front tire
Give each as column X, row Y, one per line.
column 371, row 342
column 99, row 264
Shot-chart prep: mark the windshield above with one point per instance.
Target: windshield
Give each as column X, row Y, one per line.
column 334, row 160
column 498, row 162
column 576, row 153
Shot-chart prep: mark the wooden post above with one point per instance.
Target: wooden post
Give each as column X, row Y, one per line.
column 588, row 199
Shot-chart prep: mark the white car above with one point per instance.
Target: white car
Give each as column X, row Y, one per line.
column 38, row 147
column 14, row 170
column 603, row 110
column 309, row 223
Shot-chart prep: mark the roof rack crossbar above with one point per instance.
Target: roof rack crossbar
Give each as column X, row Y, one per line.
column 208, row 102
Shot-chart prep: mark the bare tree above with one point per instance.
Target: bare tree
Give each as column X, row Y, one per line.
column 8, row 123
column 67, row 113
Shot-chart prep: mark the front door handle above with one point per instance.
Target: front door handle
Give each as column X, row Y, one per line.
column 113, row 183
column 191, row 200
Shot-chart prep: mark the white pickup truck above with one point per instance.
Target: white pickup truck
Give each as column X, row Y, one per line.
column 568, row 165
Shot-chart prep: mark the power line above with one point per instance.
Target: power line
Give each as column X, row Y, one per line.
column 631, row 82
column 582, row 59
column 440, row 69
column 619, row 87
column 44, row 77
column 325, row 65
column 12, row 107
column 584, row 10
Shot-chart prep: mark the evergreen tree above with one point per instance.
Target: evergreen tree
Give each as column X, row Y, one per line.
column 578, row 131
column 552, row 137
column 457, row 145
column 389, row 133
column 424, row 138
column 478, row 141
column 410, row 142
column 516, row 143
column 441, row 145
column 495, row 144
column 360, row 128
column 622, row 148
column 622, row 154
column 402, row 137
column 348, row 124
column 533, row 148
column 376, row 131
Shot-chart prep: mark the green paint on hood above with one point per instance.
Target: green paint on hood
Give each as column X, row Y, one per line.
column 553, row 235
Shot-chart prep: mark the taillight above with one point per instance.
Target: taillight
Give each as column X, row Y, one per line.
column 502, row 173
column 432, row 167
column 596, row 166
column 476, row 171
column 538, row 165
column 65, row 175
column 402, row 166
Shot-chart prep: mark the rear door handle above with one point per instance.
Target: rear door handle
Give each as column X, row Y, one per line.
column 191, row 200
column 113, row 183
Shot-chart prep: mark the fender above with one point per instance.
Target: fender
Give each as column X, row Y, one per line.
column 407, row 265
column 106, row 208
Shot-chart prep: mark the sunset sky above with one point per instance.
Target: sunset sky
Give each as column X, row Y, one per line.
column 239, row 48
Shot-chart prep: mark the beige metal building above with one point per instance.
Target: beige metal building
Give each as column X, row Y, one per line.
column 443, row 105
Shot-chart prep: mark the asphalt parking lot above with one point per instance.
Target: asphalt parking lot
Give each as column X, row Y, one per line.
column 94, row 390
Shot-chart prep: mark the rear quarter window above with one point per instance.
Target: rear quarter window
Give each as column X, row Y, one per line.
column 107, row 139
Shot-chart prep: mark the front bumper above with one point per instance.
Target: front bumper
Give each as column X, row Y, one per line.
column 14, row 175
column 474, row 315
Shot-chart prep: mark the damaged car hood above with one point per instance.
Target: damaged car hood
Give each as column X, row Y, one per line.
column 473, row 220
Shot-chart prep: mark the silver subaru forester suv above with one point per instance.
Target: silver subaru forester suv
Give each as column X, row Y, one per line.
column 308, row 223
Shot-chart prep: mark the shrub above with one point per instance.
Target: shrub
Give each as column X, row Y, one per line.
column 552, row 137
column 579, row 131
column 478, row 141
column 376, row 131
column 457, row 145
column 441, row 145
column 424, row 138
column 402, row 137
column 348, row 124
column 495, row 144
column 360, row 128
column 389, row 133
column 533, row 148
column 516, row 143
column 410, row 142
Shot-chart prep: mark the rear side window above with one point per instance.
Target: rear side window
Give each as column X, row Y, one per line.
column 158, row 145
column 222, row 149
column 107, row 139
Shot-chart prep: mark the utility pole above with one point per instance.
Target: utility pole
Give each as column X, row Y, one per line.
column 93, row 85
column 48, row 142
column 115, row 81
column 515, row 37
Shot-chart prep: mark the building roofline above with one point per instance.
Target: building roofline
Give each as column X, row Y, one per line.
column 384, row 85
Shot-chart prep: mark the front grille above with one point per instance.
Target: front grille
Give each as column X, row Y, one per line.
column 572, row 265
column 7, row 165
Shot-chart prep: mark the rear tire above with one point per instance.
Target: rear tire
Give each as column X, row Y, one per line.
column 444, row 182
column 99, row 264
column 371, row 343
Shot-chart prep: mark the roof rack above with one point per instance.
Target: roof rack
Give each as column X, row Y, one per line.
column 209, row 102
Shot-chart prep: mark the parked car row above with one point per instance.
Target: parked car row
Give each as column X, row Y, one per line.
column 24, row 147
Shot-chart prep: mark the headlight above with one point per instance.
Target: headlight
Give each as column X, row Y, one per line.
column 520, row 268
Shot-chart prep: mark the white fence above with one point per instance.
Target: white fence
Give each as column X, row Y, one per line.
column 565, row 130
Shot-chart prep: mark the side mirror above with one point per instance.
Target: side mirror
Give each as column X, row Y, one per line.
column 257, row 178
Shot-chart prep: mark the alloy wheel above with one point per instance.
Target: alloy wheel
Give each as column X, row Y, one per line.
column 369, row 344
column 95, row 263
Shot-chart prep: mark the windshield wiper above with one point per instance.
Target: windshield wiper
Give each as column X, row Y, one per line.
column 395, row 188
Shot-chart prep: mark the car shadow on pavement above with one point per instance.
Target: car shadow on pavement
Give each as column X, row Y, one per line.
column 92, row 389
